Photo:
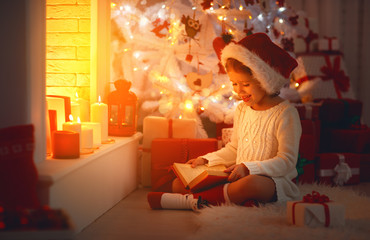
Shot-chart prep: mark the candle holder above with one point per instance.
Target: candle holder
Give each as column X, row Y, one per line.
column 66, row 144
column 122, row 110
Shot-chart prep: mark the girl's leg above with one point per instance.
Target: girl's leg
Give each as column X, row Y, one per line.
column 256, row 187
column 178, row 187
column 213, row 196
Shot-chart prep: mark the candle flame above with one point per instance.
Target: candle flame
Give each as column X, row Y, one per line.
column 99, row 99
column 70, row 118
column 76, row 95
column 78, row 120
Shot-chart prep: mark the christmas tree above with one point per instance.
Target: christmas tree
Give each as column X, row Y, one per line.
column 170, row 51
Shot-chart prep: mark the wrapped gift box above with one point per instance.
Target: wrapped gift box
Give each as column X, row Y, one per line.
column 339, row 113
column 226, row 135
column 166, row 151
column 338, row 168
column 365, row 167
column 306, row 159
column 306, row 171
column 307, row 146
column 328, row 44
column 308, row 38
column 348, row 140
column 310, row 127
column 313, row 214
column 322, row 75
column 160, row 127
column 220, row 127
column 308, row 110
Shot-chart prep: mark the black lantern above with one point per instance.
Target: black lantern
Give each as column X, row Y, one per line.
column 122, row 110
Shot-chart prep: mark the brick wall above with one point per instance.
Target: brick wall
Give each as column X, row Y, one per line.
column 68, row 48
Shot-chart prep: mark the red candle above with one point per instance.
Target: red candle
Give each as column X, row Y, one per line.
column 66, row 144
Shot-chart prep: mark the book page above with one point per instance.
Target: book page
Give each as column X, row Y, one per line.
column 190, row 173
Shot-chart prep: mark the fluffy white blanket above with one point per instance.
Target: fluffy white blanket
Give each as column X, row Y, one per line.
column 270, row 222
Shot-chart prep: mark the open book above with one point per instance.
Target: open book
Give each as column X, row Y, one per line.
column 200, row 177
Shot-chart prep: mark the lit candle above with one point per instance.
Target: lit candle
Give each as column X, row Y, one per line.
column 65, row 144
column 87, row 140
column 99, row 113
column 72, row 126
column 83, row 108
column 75, row 110
column 96, row 127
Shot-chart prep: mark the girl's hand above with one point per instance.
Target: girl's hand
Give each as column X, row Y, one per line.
column 237, row 171
column 197, row 161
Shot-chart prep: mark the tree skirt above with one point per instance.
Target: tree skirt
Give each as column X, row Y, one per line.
column 270, row 222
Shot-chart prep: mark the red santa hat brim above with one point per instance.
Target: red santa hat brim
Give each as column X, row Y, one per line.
column 270, row 64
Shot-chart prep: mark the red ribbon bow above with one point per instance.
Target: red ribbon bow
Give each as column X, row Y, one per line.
column 341, row 81
column 315, row 197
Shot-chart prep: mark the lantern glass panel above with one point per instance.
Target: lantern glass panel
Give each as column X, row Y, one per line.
column 113, row 118
column 129, row 111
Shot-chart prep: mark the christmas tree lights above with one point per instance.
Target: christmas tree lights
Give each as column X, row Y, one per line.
column 165, row 42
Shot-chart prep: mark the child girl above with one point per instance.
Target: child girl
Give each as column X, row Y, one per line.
column 262, row 154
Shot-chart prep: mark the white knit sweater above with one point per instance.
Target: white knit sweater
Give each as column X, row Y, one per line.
column 267, row 143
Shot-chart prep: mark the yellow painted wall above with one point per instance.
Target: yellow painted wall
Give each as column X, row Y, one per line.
column 68, row 48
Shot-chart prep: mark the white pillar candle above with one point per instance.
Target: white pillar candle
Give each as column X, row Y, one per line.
column 99, row 113
column 75, row 110
column 96, row 127
column 80, row 108
column 84, row 109
column 73, row 126
column 87, row 141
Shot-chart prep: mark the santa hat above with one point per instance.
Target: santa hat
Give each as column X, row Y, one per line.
column 270, row 64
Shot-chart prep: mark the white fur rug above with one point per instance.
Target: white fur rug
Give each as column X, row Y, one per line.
column 269, row 221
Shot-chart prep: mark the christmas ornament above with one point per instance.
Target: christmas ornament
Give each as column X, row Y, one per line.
column 192, row 27
column 288, row 44
column 294, row 20
column 159, row 27
column 207, row 4
column 198, row 82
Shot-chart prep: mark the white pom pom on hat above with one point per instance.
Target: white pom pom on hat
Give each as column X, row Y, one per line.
column 270, row 64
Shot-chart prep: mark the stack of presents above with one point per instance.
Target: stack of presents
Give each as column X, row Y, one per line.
column 334, row 147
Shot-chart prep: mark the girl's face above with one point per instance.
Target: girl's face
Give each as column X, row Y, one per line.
column 249, row 90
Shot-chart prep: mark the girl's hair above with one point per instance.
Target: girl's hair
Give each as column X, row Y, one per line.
column 234, row 65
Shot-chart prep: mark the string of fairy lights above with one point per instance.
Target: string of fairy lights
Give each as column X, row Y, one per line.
column 156, row 56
